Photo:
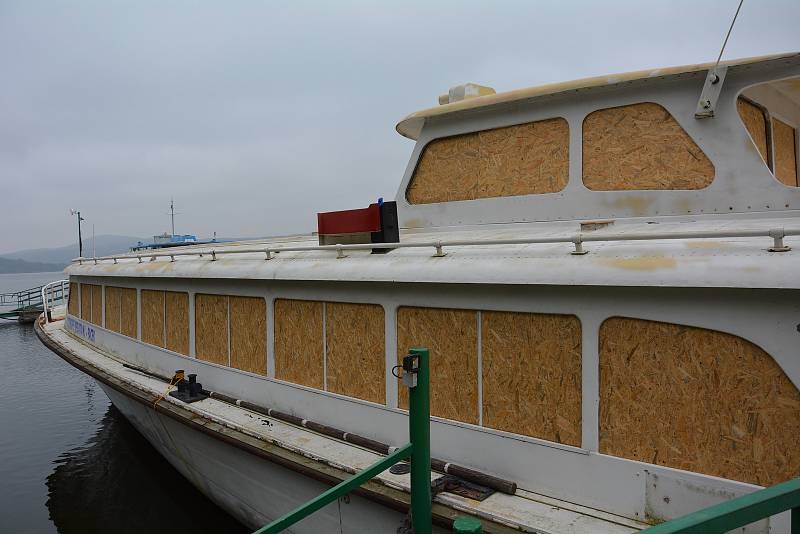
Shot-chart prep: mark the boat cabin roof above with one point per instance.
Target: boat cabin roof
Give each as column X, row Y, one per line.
column 411, row 126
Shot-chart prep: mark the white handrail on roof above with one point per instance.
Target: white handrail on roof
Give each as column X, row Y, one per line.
column 46, row 292
column 777, row 234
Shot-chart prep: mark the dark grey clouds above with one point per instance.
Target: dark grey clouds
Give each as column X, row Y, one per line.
column 256, row 115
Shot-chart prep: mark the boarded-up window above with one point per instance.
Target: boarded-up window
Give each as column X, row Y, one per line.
column 356, row 352
column 92, row 303
column 97, row 305
column 128, row 313
column 211, row 328
column 72, row 303
column 532, row 374
column 177, row 321
column 249, row 334
column 640, row 147
column 86, row 302
column 113, row 308
column 452, row 337
column 516, row 160
column 696, row 399
column 299, row 349
column 755, row 121
column 153, row 317
column 785, row 142
column 121, row 310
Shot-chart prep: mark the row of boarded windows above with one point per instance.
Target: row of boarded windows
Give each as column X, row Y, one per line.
column 634, row 147
column 672, row 395
column 640, row 147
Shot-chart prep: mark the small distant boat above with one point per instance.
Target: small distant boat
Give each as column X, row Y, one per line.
column 606, row 272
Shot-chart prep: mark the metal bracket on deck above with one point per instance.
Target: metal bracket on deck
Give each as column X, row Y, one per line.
column 710, row 94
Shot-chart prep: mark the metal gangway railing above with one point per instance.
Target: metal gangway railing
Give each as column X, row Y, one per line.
column 27, row 304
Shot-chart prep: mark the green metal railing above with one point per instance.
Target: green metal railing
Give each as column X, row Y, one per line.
column 419, row 450
column 738, row 512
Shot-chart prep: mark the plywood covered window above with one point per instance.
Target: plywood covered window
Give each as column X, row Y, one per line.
column 641, row 147
column 299, row 345
column 332, row 346
column 531, row 366
column 452, row 337
column 696, row 399
column 121, row 310
column 92, row 303
column 153, row 317
column 176, row 321
column 524, row 159
column 785, row 143
column 113, row 308
column 74, row 295
column 211, row 328
column 755, row 121
column 355, row 350
column 249, row 334
column 165, row 319
column 129, row 319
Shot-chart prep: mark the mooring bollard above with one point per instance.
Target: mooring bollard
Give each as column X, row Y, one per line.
column 467, row 525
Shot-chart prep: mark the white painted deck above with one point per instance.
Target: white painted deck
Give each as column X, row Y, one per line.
column 718, row 262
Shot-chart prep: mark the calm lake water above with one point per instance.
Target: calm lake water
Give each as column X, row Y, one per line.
column 70, row 462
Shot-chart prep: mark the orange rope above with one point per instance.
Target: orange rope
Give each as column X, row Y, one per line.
column 172, row 383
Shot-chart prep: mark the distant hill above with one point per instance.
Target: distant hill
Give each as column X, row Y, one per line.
column 22, row 266
column 61, row 256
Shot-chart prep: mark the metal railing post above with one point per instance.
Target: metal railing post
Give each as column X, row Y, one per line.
column 419, row 415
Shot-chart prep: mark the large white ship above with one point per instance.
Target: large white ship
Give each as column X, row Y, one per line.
column 607, row 275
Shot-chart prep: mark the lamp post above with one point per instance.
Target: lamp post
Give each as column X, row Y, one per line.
column 80, row 241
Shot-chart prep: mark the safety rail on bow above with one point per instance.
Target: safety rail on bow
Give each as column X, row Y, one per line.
column 52, row 293
column 776, row 234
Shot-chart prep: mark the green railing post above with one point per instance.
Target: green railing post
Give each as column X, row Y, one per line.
column 467, row 525
column 419, row 429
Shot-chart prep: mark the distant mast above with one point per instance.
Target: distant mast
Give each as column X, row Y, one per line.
column 172, row 214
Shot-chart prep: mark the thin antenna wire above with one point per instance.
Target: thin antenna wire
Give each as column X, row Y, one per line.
column 729, row 34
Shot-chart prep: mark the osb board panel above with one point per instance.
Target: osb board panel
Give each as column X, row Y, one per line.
column 177, row 321
column 298, row 342
column 641, row 147
column 153, row 317
column 72, row 303
column 128, row 319
column 86, row 302
column 516, row 160
column 112, row 308
column 211, row 328
column 783, row 137
column 756, row 124
column 452, row 338
column 532, row 374
column 249, row 334
column 97, row 305
column 356, row 350
column 696, row 399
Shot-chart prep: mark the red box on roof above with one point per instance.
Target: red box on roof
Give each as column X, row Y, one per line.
column 350, row 221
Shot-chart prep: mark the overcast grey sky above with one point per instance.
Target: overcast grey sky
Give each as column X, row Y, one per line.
column 255, row 115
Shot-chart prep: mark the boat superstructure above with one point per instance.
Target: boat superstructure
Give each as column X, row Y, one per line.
column 603, row 271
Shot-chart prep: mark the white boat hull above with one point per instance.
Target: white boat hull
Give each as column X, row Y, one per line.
column 251, row 489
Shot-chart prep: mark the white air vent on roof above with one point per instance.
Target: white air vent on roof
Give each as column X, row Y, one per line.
column 462, row 92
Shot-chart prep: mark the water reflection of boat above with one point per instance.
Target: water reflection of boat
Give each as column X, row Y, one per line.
column 118, row 483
